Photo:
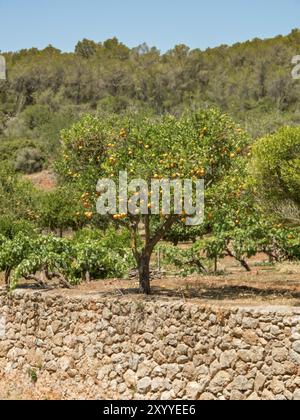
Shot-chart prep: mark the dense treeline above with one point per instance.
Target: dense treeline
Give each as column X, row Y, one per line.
column 48, row 90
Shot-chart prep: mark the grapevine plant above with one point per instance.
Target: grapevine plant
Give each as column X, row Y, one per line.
column 42, row 258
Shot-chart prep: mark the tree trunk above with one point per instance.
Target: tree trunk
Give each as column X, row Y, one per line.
column 242, row 261
column 159, row 260
column 87, row 277
column 144, row 274
column 215, row 265
column 7, row 277
column 245, row 265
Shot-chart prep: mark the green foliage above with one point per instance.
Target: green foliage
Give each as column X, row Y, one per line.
column 251, row 81
column 83, row 147
column 99, row 261
column 25, row 255
column 103, row 254
column 182, row 233
column 10, row 148
column 32, row 373
column 188, row 261
column 18, row 197
column 276, row 172
column 279, row 243
column 282, row 243
column 10, row 227
column 29, row 161
column 242, row 79
column 237, row 226
column 48, row 91
column 58, row 209
column 35, row 116
column 14, row 251
column 48, row 253
column 203, row 144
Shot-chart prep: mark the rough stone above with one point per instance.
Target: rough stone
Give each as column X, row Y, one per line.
column 130, row 379
column 206, row 396
column 253, row 397
column 90, row 348
column 296, row 396
column 277, row 387
column 193, row 391
column 144, row 385
column 241, row 383
column 65, row 363
column 228, row 358
column 182, row 349
column 219, row 382
column 259, row 382
column 168, row 396
column 236, row 395
column 280, row 354
column 159, row 357
column 144, row 370
column 296, row 346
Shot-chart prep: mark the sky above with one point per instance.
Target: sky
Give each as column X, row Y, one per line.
column 160, row 23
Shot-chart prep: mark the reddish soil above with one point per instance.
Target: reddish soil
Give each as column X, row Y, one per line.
column 44, row 180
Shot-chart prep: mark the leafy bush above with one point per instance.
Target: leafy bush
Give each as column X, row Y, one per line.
column 18, row 197
column 29, row 161
column 10, row 227
column 58, row 209
column 47, row 254
column 189, row 260
column 35, row 116
column 93, row 259
column 10, row 148
column 12, row 253
column 182, row 233
column 102, row 254
column 44, row 257
column 276, row 172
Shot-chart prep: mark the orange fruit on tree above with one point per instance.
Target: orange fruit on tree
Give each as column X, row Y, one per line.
column 88, row 215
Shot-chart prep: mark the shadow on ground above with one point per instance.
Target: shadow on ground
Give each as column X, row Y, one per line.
column 204, row 292
column 222, row 293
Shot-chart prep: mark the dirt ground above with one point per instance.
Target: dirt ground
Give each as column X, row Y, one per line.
column 266, row 285
column 261, row 289
column 44, row 180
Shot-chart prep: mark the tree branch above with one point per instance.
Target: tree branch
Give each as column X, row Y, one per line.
column 134, row 245
column 36, row 279
column 161, row 232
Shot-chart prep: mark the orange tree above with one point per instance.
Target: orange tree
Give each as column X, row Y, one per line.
column 239, row 227
column 199, row 145
column 235, row 223
column 58, row 210
column 234, row 226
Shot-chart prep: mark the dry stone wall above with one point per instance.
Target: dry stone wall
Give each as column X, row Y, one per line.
column 117, row 348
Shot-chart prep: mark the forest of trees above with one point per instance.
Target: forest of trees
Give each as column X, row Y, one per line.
column 48, row 90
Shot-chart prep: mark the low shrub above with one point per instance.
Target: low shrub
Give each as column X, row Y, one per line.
column 29, row 161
